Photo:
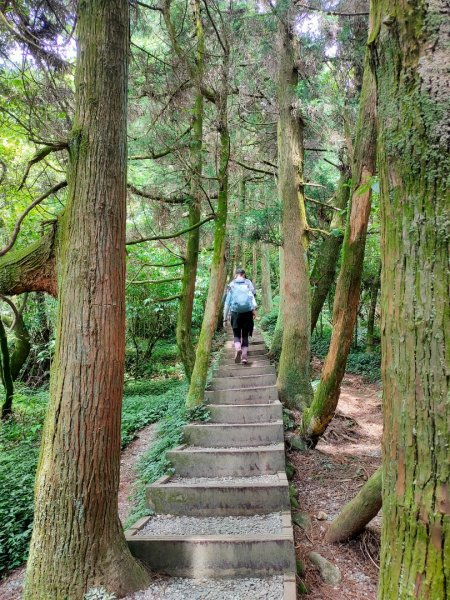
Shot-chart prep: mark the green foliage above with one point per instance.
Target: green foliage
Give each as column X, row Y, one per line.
column 269, row 321
column 144, row 402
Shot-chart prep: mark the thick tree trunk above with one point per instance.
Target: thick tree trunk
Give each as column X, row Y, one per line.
column 410, row 54
column 372, row 311
column 358, row 512
column 266, row 286
column 184, row 318
column 22, row 344
column 5, row 371
column 346, row 300
column 293, row 381
column 324, row 270
column 277, row 339
column 218, row 267
column 77, row 540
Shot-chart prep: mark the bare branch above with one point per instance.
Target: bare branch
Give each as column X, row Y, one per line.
column 156, row 197
column 155, row 281
column 18, row 225
column 250, row 168
column 171, row 235
column 314, row 201
column 332, row 13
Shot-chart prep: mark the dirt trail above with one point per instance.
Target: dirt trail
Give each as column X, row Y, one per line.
column 330, row 476
column 11, row 586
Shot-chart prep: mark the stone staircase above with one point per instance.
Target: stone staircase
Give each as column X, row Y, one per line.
column 226, row 512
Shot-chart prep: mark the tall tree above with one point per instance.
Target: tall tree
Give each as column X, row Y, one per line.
column 346, row 300
column 410, row 56
column 218, row 266
column 293, row 381
column 77, row 540
column 266, row 286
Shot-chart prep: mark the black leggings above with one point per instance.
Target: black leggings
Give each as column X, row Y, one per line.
column 241, row 336
column 242, row 324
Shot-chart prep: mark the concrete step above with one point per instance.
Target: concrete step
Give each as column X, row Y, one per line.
column 249, row 369
column 255, row 395
column 199, row 556
column 192, row 461
column 243, row 382
column 211, row 496
column 262, row 360
column 246, row 413
column 220, row 435
column 258, row 351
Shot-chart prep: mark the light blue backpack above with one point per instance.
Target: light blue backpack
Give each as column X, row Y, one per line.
column 242, row 299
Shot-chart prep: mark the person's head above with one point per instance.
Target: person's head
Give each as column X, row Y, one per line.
column 240, row 273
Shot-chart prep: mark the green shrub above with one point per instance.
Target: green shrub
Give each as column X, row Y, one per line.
column 269, row 321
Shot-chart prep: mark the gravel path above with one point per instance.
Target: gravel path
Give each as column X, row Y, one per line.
column 267, row 588
column 172, row 525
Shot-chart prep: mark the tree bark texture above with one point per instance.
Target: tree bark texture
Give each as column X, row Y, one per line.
column 186, row 305
column 266, row 286
column 324, row 270
column 22, row 344
column 358, row 512
column 410, row 56
column 218, row 274
column 77, row 539
column 346, row 300
column 293, row 381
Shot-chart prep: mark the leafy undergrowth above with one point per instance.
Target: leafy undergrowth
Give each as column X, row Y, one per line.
column 144, row 402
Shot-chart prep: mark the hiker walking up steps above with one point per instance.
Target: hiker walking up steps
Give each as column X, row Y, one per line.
column 240, row 303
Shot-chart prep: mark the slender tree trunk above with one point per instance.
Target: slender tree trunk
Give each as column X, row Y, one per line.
column 358, row 512
column 218, row 268
column 346, row 299
column 266, row 286
column 277, row 339
column 255, row 265
column 5, row 371
column 293, row 382
column 324, row 270
column 411, row 54
column 184, row 318
column 372, row 310
column 77, row 540
column 22, row 344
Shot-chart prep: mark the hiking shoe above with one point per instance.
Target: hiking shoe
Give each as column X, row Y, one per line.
column 244, row 361
column 237, row 356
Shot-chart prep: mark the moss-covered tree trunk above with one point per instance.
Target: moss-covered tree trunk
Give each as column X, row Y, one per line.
column 319, row 414
column 293, row 381
column 411, row 55
column 358, row 512
column 186, row 305
column 255, row 265
column 5, row 372
column 266, row 284
column 277, row 339
column 324, row 270
column 77, row 539
column 218, row 267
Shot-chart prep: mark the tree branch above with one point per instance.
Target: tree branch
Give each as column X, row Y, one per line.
column 18, row 225
column 171, row 235
column 150, row 196
column 323, row 204
column 155, row 281
column 332, row 13
column 40, row 155
column 250, row 168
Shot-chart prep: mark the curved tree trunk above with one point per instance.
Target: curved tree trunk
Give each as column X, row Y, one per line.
column 411, row 54
column 184, row 318
column 293, row 381
column 5, row 372
column 324, row 270
column 31, row 269
column 22, row 344
column 346, row 300
column 77, row 539
column 358, row 512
